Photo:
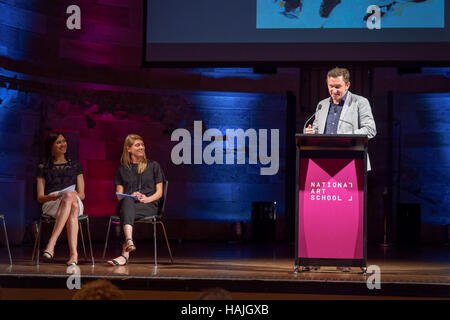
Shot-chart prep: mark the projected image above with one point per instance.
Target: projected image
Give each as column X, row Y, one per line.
column 298, row 14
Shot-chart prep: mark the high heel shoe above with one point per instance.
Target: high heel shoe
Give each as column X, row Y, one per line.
column 71, row 263
column 131, row 247
column 47, row 255
column 114, row 262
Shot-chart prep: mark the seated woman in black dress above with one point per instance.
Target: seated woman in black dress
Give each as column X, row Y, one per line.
column 139, row 177
column 60, row 189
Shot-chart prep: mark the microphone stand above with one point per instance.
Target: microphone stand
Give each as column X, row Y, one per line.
column 318, row 108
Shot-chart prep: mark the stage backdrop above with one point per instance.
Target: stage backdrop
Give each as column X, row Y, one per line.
column 96, row 123
column 97, row 126
column 422, row 153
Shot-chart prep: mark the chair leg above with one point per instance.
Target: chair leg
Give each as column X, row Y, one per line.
column 167, row 241
column 35, row 242
column 38, row 241
column 7, row 243
column 106, row 241
column 82, row 240
column 90, row 242
column 154, row 242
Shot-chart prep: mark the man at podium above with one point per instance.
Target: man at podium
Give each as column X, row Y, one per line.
column 344, row 112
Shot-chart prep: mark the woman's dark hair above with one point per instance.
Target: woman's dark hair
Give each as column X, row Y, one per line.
column 49, row 141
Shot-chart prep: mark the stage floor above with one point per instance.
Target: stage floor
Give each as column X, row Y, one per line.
column 249, row 269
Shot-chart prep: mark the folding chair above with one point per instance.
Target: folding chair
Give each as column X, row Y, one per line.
column 153, row 220
column 49, row 220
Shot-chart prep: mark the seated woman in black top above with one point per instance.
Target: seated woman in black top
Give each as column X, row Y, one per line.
column 60, row 189
column 138, row 177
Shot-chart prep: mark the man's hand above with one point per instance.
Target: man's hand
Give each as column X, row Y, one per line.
column 309, row 130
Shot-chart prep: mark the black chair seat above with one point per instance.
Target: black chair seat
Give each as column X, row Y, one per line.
column 83, row 217
column 48, row 219
column 144, row 219
column 80, row 218
column 148, row 219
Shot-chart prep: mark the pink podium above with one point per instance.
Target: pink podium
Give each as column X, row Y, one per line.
column 331, row 201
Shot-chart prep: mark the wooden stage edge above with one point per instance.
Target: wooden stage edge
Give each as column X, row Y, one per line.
column 247, row 270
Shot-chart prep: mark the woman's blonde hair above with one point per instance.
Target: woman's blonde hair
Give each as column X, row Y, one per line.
column 126, row 158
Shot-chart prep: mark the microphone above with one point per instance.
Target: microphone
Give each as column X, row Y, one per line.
column 318, row 108
column 353, row 128
column 335, row 109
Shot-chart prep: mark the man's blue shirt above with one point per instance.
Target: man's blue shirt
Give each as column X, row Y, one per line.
column 334, row 113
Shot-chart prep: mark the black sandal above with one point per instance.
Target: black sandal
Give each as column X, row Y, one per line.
column 131, row 247
column 117, row 264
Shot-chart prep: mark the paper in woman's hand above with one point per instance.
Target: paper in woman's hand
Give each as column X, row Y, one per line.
column 61, row 192
column 123, row 195
column 68, row 189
